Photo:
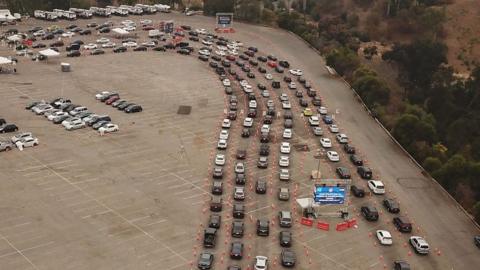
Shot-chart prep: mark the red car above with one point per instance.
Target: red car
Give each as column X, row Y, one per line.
column 272, row 64
column 231, row 57
column 148, row 27
column 111, row 100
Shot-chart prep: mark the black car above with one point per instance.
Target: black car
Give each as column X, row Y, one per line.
column 226, row 63
column 241, row 154
column 56, row 44
column 369, row 212
column 253, row 62
column 133, row 108
column 74, row 54
column 216, row 204
column 246, row 69
column 303, row 102
column 213, row 64
column 141, row 49
column 288, row 258
column 205, row 261
column 356, row 160
column 124, row 106
column 238, row 229
column 240, row 179
column 236, row 251
column 244, row 57
column 249, row 53
column 204, row 58
column 263, row 227
column 234, row 267
column 288, row 123
column 8, row 128
column 85, row 32
column 246, row 133
column 262, row 164
column 264, row 138
column 161, row 49
column 288, row 115
column 217, row 173
column 253, row 49
column 276, row 84
column 2, row 122
column 364, row 172
column 343, row 173
column 104, row 30
column 357, row 191
column 403, row 224
column 120, row 49
column 391, row 205
column 238, row 210
column 232, row 71
column 217, row 188
column 476, row 240
column 193, row 38
column 48, row 37
column 285, row 238
column 262, row 70
column 215, row 221
column 232, row 115
column 401, row 265
column 268, row 119
column 39, row 45
column 327, row 119
column 216, row 58
column 349, row 149
column 261, row 86
column 251, row 75
column 262, row 59
column 299, row 94
column 264, row 150
column 284, row 64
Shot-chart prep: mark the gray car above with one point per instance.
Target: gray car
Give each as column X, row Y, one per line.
column 5, row 146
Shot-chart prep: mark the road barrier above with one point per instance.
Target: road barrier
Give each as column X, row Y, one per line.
column 352, row 222
column 306, row 221
column 342, row 226
column 323, row 226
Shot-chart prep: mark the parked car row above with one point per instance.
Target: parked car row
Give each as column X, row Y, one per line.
column 113, row 99
column 72, row 116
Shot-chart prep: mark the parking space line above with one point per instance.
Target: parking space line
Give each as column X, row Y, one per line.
column 18, row 251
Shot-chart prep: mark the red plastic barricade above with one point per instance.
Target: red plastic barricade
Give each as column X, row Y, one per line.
column 352, row 222
column 306, row 221
column 342, row 226
column 323, row 226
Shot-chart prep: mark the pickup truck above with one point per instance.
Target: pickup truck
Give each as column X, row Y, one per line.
column 209, row 237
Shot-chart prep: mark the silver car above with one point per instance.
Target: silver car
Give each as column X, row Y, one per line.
column 6, row 146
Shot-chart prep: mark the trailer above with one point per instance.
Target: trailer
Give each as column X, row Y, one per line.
column 147, row 8
column 82, row 13
column 65, row 14
column 117, row 11
column 102, row 12
column 6, row 16
column 45, row 15
column 133, row 10
column 163, row 8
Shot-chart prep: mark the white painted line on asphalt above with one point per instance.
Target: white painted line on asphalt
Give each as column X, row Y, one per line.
column 183, row 191
column 178, row 186
column 140, row 218
column 258, row 209
column 156, row 222
column 42, row 166
column 18, row 251
column 193, row 196
column 198, row 202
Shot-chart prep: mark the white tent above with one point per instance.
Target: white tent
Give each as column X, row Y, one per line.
column 5, row 61
column 49, row 53
column 14, row 38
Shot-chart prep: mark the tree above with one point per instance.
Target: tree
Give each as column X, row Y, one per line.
column 372, row 90
column 211, row 7
column 344, row 60
column 476, row 211
column 432, row 164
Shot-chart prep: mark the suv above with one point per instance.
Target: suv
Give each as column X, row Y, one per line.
column 264, row 150
column 356, row 160
column 343, row 173
column 218, row 172
column 215, row 221
column 285, row 238
column 238, row 210
column 401, row 265
column 263, row 227
column 391, row 205
column 357, row 191
column 364, row 172
column 216, row 204
column 261, row 186
column 237, row 229
column 217, row 188
column 370, row 213
column 419, row 244
column 403, row 224
column 285, row 219
column 240, row 179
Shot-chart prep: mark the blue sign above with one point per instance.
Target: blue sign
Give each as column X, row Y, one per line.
column 329, row 195
column 224, row 19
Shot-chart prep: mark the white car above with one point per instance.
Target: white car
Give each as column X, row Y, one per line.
column 333, row 128
column 103, row 40
column 261, row 263
column 314, row 120
column 58, row 116
column 342, row 138
column 149, row 44
column 108, row 128
column 21, row 136
column 226, row 82
column 233, row 52
column 384, row 237
column 48, row 113
column 220, row 53
column 292, row 85
column 27, row 142
column 78, row 110
column 222, row 144
column 68, row 34
column 284, row 161
column 226, row 123
column 268, row 76
column 90, row 117
column 376, row 186
column 333, row 156
column 130, row 44
column 285, row 148
column 265, row 128
column 270, row 103
column 204, row 52
column 239, row 167
column 419, row 244
column 239, row 193
column 90, row 46
column 43, row 109
column 317, row 131
column 130, row 28
column 222, row 48
column 287, row 133
column 283, row 97
column 286, row 105
column 326, row 142
column 39, row 33
column 54, row 115
column 223, row 134
column 232, row 46
column 206, row 42
column 252, row 104
column 248, row 122
column 296, row 72
column 243, row 82
column 265, row 93
column 322, row 110
column 220, row 159
column 201, row 31
column 146, row 22
column 247, row 88
column 74, row 125
column 102, row 94
column 70, row 121
column 284, row 174
column 109, row 45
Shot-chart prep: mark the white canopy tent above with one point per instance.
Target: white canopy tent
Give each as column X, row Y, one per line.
column 7, row 65
column 49, row 53
column 14, row 38
column 5, row 61
column 122, row 33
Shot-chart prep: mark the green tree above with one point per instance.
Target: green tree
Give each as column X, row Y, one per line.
column 476, row 211
column 372, row 90
column 211, row 7
column 432, row 164
column 344, row 60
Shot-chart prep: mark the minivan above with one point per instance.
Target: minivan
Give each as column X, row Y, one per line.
column 285, row 219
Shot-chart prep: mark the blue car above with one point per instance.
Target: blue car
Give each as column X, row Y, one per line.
column 327, row 119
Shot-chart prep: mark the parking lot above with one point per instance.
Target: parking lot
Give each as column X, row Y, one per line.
column 139, row 198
